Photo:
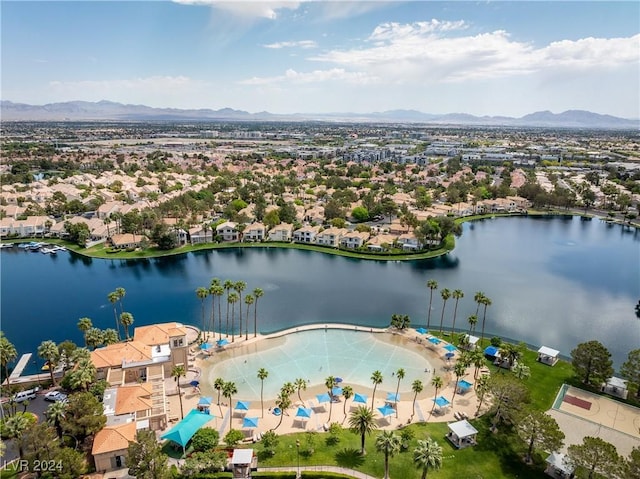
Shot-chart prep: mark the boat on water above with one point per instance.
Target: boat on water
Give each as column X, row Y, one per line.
column 6, row 245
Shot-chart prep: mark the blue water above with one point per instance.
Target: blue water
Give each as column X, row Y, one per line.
column 555, row 282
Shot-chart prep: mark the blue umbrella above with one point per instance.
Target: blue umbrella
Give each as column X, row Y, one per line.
column 205, row 346
column 450, row 348
column 242, row 406
column 422, row 331
column 386, row 410
column 449, row 355
column 250, row 422
column 195, row 383
column 393, row 397
column 338, row 380
column 336, row 391
column 303, row 412
column 222, row 342
column 205, row 401
column 360, row 398
column 324, row 397
column 434, row 340
column 441, row 401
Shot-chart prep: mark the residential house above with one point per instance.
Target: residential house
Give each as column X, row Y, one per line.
column 254, row 232
column 409, row 242
column 126, row 240
column 227, row 231
column 281, row 232
column 30, row 226
column 381, row 242
column 306, row 234
column 315, row 215
column 199, row 235
column 110, row 446
column 331, row 236
column 354, row 239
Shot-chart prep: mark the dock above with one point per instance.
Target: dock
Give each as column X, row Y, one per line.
column 22, row 363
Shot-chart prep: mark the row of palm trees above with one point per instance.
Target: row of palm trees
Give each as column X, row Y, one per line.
column 480, row 298
column 233, row 291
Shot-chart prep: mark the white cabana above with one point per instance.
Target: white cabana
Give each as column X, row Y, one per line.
column 243, row 462
column 548, row 356
column 616, row 387
column 469, row 342
column 462, row 434
column 558, row 466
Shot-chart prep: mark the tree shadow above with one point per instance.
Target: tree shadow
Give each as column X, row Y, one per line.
column 350, row 458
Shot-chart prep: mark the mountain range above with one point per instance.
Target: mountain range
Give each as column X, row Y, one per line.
column 108, row 110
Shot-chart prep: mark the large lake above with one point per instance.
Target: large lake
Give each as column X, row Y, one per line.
column 553, row 281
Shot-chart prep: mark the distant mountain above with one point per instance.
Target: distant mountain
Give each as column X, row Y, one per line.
column 108, row 110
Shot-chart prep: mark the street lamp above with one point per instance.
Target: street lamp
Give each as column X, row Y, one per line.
column 298, row 454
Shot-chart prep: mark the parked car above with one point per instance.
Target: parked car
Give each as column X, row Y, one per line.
column 55, row 396
column 25, row 395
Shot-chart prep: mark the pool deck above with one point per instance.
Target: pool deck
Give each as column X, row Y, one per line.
column 227, row 417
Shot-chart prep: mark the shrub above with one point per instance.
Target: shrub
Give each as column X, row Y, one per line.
column 205, row 439
column 233, row 437
column 269, row 441
column 496, row 341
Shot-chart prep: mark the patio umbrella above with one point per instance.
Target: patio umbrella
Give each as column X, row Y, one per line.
column 450, row 347
column 449, row 355
column 205, row 401
column 336, row 391
column 393, row 397
column 360, row 398
column 434, row 340
column 386, row 410
column 441, row 401
column 338, row 380
column 195, row 383
column 324, row 397
column 303, row 412
column 242, row 406
column 205, row 346
column 250, row 422
column 421, row 331
column 222, row 342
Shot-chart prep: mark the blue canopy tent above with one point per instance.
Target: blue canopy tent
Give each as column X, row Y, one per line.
column 464, row 385
column 451, row 348
column 421, row 331
column 205, row 346
column 250, row 422
column 336, row 391
column 324, row 397
column 361, row 398
column 304, row 412
column 491, row 351
column 386, row 410
column 222, row 342
column 242, row 406
column 393, row 397
column 205, row 401
column 434, row 340
column 441, row 402
column 182, row 432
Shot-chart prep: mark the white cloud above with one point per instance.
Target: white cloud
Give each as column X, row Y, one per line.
column 299, row 44
column 248, row 9
column 317, row 76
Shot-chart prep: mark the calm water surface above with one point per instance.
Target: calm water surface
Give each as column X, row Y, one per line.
column 555, row 282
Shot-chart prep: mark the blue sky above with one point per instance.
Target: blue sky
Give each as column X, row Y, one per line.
column 483, row 58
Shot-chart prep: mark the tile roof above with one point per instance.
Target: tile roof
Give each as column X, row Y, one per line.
column 131, row 398
column 114, row 438
column 115, row 354
column 158, row 333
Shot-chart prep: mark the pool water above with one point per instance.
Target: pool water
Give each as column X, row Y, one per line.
column 315, row 355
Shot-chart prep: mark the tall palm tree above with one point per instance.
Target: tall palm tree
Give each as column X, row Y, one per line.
column 248, row 300
column 283, row 401
column 113, row 299
column 388, row 443
column 49, row 352
column 257, row 294
column 472, row 320
column 437, row 383
column 446, row 294
column 228, row 390
column 176, row 373
column 459, row 369
column 110, row 336
column 215, row 282
column 300, row 384
column 95, row 338
column 400, row 375
column 417, row 388
column 486, row 302
column 217, row 385
column 478, row 299
column 477, row 359
column 239, row 287
column 14, row 427
column 56, row 414
column 457, row 294
column 202, row 294
column 228, row 286
column 232, row 299
column 362, row 421
column 8, row 353
column 347, row 393
column 83, row 375
column 84, row 325
column 121, row 292
column 262, row 375
column 376, row 378
column 330, row 383
column 431, row 284
column 217, row 291
column 482, row 388
column 127, row 320
column 427, row 454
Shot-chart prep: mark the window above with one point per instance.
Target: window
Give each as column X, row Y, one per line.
column 178, row 342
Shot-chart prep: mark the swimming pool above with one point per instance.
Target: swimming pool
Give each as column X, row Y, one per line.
column 315, row 355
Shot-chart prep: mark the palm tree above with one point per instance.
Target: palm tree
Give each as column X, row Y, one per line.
column 389, row 444
column 446, row 294
column 482, row 387
column 457, row 295
column 262, row 375
column 437, row 383
column 14, row 427
column 232, row 299
column 228, row 390
column 476, row 358
column 427, row 454
column 248, row 300
column 84, row 325
column 110, row 336
column 239, row 287
column 127, row 320
column 83, row 375
column 94, row 338
column 217, row 385
column 300, row 384
column 376, row 378
column 400, row 375
column 8, row 353
column 56, row 413
column 49, row 352
column 121, row 292
column 417, row 388
column 459, row 369
column 227, row 285
column 176, row 373
column 486, row 302
column 257, row 293
column 218, row 291
column 215, row 282
column 330, row 383
column 113, row 299
column 362, row 421
column 431, row 284
column 472, row 320
column 283, row 401
column 478, row 299
column 347, row 393
column 202, row 294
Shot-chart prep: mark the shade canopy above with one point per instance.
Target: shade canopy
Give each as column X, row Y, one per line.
column 463, row 429
column 182, row 432
column 386, row 410
column 360, row 398
column 441, row 401
column 205, row 346
column 491, row 351
column 222, row 342
column 336, row 391
column 194, row 383
column 338, row 380
column 324, row 397
column 422, row 331
column 451, row 348
column 303, row 412
column 205, row 401
column 464, row 384
column 434, row 340
column 250, row 422
column 449, row 355
column 548, row 351
column 242, row 406
column 393, row 397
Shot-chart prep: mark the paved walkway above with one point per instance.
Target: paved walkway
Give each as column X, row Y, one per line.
column 339, row 470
